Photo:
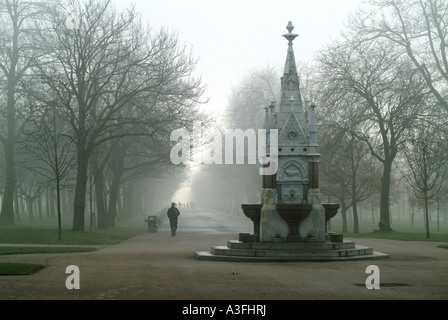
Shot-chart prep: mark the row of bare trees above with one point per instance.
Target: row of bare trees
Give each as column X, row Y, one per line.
column 89, row 91
column 384, row 83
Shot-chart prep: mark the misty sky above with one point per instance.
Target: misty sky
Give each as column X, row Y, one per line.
column 232, row 36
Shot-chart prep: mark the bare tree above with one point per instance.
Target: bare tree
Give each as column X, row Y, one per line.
column 349, row 172
column 420, row 29
column 426, row 169
column 49, row 143
column 375, row 95
column 140, row 159
column 107, row 64
column 16, row 57
column 246, row 103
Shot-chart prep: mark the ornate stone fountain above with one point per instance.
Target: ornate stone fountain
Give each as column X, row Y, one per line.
column 290, row 223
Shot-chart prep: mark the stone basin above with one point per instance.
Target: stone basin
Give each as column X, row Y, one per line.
column 331, row 209
column 253, row 212
column 294, row 214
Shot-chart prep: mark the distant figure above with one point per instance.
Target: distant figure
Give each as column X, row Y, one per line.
column 173, row 213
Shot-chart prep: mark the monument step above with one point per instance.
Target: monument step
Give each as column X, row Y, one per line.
column 222, row 250
column 212, row 257
column 235, row 244
column 359, row 250
column 301, row 252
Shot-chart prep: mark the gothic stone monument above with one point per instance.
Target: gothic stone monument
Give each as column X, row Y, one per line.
column 290, row 223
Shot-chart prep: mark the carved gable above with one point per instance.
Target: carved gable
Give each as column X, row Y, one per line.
column 293, row 171
column 292, row 125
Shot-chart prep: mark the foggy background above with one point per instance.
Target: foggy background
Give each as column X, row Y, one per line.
column 88, row 104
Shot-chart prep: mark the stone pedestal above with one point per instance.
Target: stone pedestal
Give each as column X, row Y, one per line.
column 271, row 224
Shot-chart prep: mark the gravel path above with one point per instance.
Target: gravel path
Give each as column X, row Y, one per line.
column 156, row 266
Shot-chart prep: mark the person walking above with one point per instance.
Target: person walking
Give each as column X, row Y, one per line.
column 173, row 213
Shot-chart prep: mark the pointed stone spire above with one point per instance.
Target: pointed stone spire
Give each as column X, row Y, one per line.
column 290, row 64
column 291, row 99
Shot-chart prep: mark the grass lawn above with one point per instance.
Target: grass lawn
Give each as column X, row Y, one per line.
column 11, row 269
column 44, row 232
column 47, row 233
column 50, row 236
column 401, row 231
column 399, row 235
column 29, row 250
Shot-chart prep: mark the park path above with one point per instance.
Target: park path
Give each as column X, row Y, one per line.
column 157, row 266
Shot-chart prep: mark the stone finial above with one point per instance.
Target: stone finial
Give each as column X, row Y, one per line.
column 290, row 36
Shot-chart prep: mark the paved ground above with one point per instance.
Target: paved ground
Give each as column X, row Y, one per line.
column 158, row 266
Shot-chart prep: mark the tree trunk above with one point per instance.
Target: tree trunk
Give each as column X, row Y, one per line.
column 354, row 187
column 426, row 215
column 52, row 204
column 79, row 202
column 30, row 210
column 7, row 214
column 16, row 205
column 98, row 175
column 22, row 206
column 113, row 197
column 355, row 218
column 120, row 203
column 47, row 203
column 344, row 216
column 384, row 223
column 65, row 196
column 58, row 205
column 39, row 206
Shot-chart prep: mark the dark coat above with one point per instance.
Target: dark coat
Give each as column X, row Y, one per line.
column 173, row 213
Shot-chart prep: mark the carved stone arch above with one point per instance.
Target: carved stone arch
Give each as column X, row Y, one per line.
column 293, row 170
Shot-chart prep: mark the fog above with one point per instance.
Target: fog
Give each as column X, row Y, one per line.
column 92, row 93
